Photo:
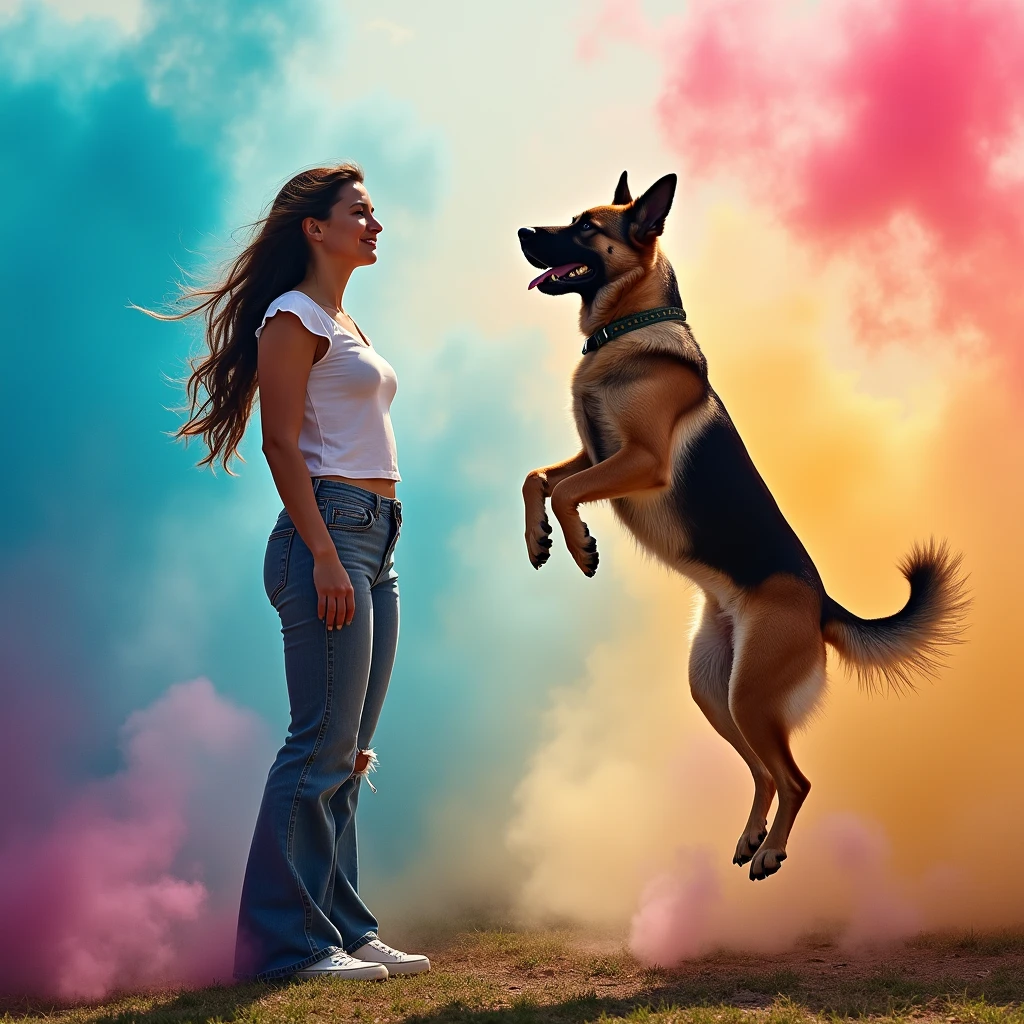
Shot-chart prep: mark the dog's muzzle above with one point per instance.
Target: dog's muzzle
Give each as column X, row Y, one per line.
column 527, row 236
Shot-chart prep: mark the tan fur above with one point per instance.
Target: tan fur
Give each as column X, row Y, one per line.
column 757, row 660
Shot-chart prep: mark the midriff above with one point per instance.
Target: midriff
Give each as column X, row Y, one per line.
column 385, row 488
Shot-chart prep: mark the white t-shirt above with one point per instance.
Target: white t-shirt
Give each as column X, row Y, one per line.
column 346, row 426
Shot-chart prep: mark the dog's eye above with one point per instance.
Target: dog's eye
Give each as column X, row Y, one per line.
column 585, row 225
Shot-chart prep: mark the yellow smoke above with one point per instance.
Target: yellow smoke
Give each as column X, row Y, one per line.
column 632, row 804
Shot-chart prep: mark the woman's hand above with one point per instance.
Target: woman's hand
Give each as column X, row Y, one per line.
column 336, row 598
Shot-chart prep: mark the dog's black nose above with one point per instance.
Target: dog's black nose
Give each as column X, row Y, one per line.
column 526, row 232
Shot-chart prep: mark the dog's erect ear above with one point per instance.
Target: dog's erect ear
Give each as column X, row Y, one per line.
column 651, row 209
column 622, row 196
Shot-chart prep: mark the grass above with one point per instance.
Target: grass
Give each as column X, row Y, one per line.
column 509, row 977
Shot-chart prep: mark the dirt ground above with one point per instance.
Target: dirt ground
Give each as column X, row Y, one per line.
column 501, row 976
column 817, row 975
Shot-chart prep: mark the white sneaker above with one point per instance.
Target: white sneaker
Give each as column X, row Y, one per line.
column 395, row 960
column 341, row 965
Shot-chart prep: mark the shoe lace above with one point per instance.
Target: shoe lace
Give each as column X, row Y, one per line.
column 340, row 959
column 385, row 948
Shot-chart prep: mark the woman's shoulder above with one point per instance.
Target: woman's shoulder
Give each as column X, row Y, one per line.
column 313, row 317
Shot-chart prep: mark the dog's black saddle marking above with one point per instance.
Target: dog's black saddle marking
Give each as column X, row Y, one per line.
column 631, row 323
column 732, row 521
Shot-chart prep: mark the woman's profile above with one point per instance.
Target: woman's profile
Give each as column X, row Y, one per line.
column 325, row 392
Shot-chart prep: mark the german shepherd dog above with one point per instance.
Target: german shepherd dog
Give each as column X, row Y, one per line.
column 658, row 443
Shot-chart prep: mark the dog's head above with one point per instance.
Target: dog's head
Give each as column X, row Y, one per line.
column 601, row 245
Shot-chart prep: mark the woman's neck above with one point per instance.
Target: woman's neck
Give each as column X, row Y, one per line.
column 326, row 285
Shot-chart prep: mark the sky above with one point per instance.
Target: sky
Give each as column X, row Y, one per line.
column 846, row 233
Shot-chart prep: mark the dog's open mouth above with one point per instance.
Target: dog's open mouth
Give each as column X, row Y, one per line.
column 566, row 272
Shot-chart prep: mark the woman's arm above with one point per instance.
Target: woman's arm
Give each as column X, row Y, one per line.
column 286, row 353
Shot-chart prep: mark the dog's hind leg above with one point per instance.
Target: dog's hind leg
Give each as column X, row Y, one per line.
column 777, row 675
column 710, row 668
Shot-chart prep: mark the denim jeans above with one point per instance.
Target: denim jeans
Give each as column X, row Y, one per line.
column 300, row 897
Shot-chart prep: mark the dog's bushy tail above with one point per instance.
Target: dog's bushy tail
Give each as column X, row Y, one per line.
column 890, row 651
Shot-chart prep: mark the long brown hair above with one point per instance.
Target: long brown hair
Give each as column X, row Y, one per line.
column 274, row 262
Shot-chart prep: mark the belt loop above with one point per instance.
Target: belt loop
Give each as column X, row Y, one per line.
column 317, row 481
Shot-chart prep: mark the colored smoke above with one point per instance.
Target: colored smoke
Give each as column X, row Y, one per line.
column 136, row 881
column 892, row 133
column 632, row 805
column 852, row 172
column 847, row 887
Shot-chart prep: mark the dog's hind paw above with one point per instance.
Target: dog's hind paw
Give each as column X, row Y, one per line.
column 766, row 862
column 750, row 842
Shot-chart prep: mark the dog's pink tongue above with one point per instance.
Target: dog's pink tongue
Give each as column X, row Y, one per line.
column 551, row 272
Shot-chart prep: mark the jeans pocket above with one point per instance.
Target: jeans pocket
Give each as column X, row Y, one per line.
column 275, row 562
column 342, row 515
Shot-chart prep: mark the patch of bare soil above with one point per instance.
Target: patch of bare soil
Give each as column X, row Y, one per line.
column 911, row 978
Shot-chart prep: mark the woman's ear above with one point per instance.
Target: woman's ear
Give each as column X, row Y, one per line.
column 311, row 229
column 651, row 209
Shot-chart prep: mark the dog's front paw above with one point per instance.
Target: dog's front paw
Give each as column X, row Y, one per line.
column 585, row 553
column 538, row 542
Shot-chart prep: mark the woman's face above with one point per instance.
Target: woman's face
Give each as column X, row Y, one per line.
column 349, row 235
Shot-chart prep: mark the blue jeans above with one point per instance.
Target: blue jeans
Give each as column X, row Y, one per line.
column 300, row 899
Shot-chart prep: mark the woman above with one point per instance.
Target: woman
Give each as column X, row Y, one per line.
column 325, row 394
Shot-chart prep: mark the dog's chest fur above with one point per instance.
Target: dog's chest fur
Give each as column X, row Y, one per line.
column 716, row 516
column 653, row 516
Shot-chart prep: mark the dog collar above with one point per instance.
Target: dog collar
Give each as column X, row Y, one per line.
column 631, row 323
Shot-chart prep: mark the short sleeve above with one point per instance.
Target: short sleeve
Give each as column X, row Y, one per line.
column 311, row 315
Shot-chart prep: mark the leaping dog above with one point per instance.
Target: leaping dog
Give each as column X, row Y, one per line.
column 659, row 444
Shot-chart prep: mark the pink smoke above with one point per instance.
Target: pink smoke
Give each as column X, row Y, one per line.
column 847, row 882
column 890, row 132
column 136, row 881
column 881, row 907
column 675, row 918
column 612, row 21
